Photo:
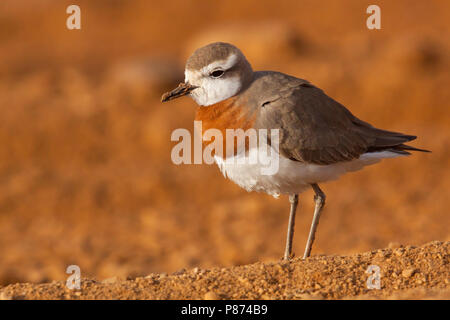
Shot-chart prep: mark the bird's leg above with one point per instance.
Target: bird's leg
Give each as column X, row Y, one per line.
column 293, row 199
column 319, row 199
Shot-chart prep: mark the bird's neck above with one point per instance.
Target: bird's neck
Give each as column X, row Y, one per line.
column 231, row 113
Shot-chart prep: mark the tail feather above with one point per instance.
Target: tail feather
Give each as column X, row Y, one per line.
column 400, row 149
column 406, row 147
column 383, row 140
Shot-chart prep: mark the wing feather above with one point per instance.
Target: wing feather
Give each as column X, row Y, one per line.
column 314, row 128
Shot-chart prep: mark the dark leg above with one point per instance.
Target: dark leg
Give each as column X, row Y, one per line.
column 293, row 199
column 319, row 199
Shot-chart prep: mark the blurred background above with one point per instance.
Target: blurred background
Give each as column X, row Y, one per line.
column 85, row 170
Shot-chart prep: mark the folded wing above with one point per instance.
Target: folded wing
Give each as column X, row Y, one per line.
column 314, row 128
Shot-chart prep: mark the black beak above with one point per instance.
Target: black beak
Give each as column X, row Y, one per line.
column 183, row 89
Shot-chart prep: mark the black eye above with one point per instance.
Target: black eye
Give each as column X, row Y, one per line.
column 217, row 73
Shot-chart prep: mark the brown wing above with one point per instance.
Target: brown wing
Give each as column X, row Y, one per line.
column 314, row 128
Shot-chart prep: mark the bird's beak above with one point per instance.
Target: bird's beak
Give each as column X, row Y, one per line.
column 183, row 89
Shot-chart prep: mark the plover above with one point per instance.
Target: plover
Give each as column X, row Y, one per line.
column 319, row 138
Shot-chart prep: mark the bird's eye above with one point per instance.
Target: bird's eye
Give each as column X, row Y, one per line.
column 217, row 73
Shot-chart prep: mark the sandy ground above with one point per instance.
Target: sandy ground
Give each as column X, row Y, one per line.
column 86, row 176
column 405, row 273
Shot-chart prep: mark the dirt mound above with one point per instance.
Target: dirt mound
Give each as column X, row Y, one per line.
column 86, row 176
column 405, row 273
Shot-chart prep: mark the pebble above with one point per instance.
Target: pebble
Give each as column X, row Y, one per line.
column 210, row 296
column 407, row 273
column 110, row 280
column 394, row 245
column 179, row 272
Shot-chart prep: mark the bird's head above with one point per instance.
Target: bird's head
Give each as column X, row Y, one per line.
column 213, row 73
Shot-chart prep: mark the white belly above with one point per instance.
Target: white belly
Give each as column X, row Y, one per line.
column 292, row 177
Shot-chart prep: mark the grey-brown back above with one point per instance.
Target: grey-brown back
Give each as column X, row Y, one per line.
column 314, row 128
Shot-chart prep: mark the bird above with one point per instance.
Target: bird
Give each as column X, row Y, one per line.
column 319, row 138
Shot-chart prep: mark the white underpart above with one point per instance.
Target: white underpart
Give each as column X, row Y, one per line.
column 212, row 90
column 292, row 177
